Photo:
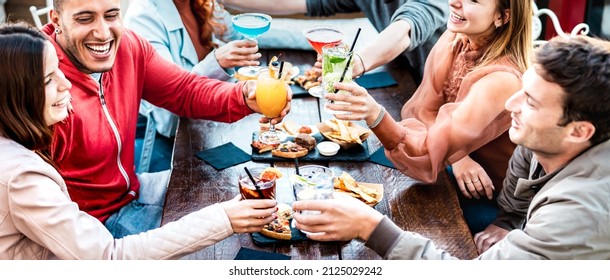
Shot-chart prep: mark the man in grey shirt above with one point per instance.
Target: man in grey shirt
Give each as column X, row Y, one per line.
column 410, row 27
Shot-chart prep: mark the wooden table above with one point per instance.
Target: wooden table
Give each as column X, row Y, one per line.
column 430, row 210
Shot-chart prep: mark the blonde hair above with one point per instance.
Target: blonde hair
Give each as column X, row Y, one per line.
column 514, row 39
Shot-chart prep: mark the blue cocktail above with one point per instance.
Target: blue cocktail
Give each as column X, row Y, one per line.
column 251, row 25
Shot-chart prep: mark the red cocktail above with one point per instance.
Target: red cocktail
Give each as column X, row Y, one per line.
column 266, row 186
column 320, row 36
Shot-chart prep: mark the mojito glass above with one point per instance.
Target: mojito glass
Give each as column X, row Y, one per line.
column 334, row 60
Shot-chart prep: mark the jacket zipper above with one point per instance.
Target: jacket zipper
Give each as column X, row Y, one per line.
column 116, row 134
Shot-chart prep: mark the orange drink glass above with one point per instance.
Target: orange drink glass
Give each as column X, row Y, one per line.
column 271, row 97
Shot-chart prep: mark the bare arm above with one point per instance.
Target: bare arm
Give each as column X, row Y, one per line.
column 391, row 42
column 268, row 6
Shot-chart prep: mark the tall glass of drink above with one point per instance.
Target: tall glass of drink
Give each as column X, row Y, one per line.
column 313, row 182
column 319, row 36
column 334, row 60
column 251, row 25
column 271, row 97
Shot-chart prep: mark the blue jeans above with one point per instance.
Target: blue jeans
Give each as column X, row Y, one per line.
column 478, row 213
column 144, row 213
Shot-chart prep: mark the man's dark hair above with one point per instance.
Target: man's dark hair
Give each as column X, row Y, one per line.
column 581, row 67
column 57, row 4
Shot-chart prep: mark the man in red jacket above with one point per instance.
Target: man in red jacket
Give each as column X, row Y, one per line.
column 111, row 70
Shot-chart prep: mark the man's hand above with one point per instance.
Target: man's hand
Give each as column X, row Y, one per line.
column 488, row 237
column 249, row 92
column 249, row 215
column 343, row 218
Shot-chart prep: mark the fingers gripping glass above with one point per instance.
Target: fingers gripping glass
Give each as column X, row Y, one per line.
column 251, row 25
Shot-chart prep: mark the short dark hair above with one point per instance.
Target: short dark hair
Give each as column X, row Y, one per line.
column 57, row 4
column 22, row 89
column 580, row 65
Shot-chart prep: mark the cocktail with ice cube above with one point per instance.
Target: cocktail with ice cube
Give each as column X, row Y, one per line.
column 314, row 182
column 335, row 58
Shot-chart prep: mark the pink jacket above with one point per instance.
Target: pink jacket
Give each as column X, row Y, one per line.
column 39, row 221
column 440, row 127
column 94, row 148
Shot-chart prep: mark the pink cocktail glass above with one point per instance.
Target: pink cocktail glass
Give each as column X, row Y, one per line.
column 319, row 36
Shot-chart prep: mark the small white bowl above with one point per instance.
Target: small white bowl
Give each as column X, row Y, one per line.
column 328, row 148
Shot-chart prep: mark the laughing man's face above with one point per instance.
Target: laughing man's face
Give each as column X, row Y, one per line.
column 90, row 33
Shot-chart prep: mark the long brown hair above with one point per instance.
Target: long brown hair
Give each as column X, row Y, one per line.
column 204, row 13
column 513, row 39
column 22, row 91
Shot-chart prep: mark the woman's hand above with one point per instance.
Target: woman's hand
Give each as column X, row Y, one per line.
column 238, row 53
column 472, row 179
column 249, row 215
column 361, row 105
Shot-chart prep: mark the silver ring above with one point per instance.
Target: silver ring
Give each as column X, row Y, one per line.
column 475, row 181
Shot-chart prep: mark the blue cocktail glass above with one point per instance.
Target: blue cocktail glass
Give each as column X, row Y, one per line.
column 251, row 25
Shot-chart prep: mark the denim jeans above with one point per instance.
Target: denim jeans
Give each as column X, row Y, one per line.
column 144, row 213
column 478, row 213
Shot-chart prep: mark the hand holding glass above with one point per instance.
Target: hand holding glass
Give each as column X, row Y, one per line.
column 334, row 60
column 251, row 25
column 271, row 97
column 314, row 182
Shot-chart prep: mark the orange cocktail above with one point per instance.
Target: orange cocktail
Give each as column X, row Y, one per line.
column 271, row 97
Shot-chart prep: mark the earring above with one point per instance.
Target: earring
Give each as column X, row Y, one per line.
column 57, row 31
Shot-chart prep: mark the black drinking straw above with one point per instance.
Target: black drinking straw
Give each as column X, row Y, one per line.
column 351, row 50
column 296, row 166
column 279, row 75
column 258, row 189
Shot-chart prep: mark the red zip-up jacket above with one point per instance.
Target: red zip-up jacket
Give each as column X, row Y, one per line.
column 94, row 148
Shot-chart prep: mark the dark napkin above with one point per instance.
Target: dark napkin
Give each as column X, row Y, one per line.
column 298, row 91
column 356, row 153
column 380, row 158
column 262, row 240
column 376, row 80
column 224, row 156
column 249, row 254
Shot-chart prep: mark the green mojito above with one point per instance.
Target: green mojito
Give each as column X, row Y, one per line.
column 334, row 60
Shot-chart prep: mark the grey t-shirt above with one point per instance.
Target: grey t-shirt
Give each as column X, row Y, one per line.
column 428, row 20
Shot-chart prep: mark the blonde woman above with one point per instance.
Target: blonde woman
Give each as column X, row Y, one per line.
column 457, row 114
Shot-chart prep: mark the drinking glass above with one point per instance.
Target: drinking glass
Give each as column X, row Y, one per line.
column 314, row 182
column 334, row 60
column 266, row 188
column 251, row 25
column 319, row 36
column 271, row 97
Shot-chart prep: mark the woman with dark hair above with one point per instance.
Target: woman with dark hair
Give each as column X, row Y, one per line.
column 37, row 218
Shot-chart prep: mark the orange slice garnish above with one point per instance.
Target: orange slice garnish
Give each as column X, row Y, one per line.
column 271, row 173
